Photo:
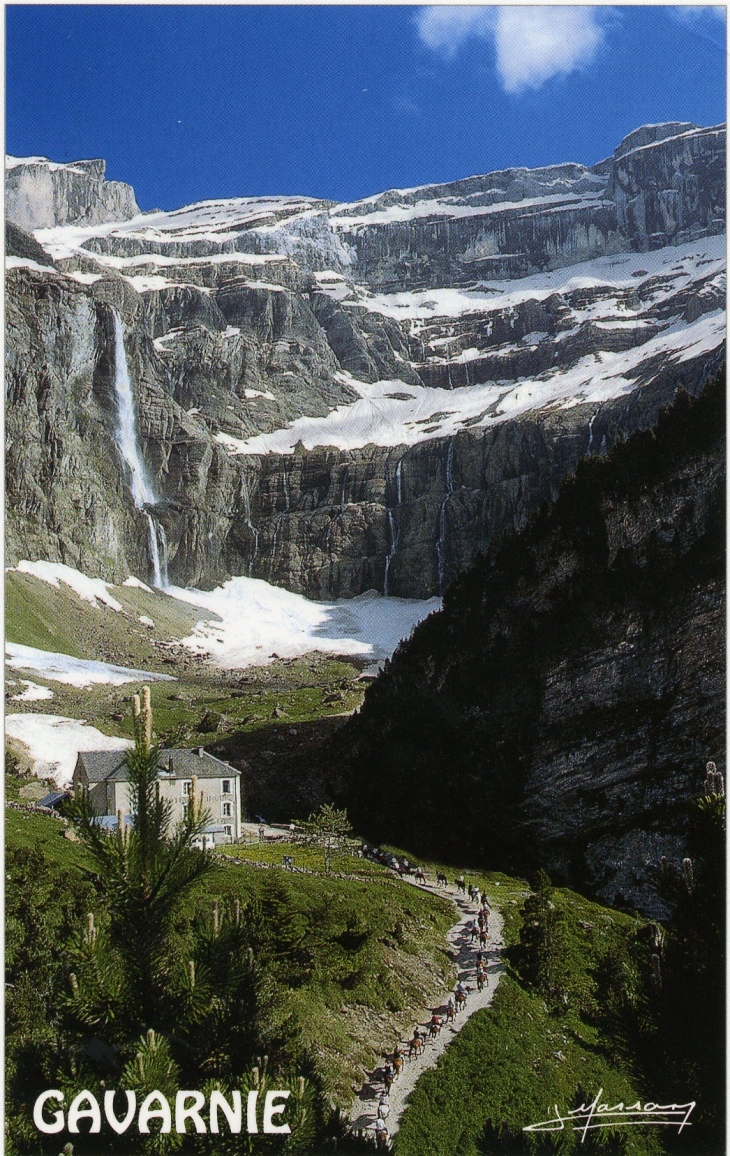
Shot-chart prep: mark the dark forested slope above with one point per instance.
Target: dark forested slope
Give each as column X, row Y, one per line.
column 563, row 704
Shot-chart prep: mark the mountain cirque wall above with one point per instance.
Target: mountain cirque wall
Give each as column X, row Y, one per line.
column 336, row 398
column 560, row 709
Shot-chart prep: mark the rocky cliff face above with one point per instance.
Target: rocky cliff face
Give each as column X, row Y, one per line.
column 41, row 195
column 344, row 397
column 560, row 710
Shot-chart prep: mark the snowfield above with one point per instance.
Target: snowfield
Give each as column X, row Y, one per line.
column 53, row 742
column 78, row 672
column 258, row 621
column 33, row 692
column 392, row 413
column 91, row 590
column 679, row 265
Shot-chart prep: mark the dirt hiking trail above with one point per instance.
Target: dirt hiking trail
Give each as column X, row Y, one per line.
column 464, row 954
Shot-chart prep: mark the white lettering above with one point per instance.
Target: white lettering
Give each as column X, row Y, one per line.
column 183, row 1112
column 76, row 1112
column 232, row 1114
column 271, row 1109
column 147, row 1112
column 251, row 1123
column 58, row 1120
column 119, row 1126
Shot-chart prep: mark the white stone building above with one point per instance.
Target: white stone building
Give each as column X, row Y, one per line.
column 106, row 777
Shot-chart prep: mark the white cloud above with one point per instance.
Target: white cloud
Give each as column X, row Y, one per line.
column 689, row 13
column 446, row 28
column 532, row 44
column 706, row 21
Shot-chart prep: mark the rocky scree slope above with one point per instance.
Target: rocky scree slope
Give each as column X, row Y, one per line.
column 559, row 711
column 337, row 398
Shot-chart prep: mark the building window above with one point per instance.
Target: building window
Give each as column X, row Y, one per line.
column 226, row 786
column 228, row 830
column 185, row 809
column 187, row 786
column 227, row 810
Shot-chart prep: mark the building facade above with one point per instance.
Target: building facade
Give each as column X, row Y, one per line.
column 105, row 775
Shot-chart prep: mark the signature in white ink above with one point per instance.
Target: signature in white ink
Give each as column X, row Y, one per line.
column 600, row 1115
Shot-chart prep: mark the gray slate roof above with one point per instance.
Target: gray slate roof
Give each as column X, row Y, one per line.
column 101, row 766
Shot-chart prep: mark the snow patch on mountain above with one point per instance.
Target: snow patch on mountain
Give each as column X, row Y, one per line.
column 258, row 621
column 78, row 672
column 393, row 413
column 92, row 590
column 53, row 742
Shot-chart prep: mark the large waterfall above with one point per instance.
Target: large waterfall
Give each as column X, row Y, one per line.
column 393, row 527
column 126, row 437
column 441, row 540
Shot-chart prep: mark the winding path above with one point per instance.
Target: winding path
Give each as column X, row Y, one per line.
column 464, row 953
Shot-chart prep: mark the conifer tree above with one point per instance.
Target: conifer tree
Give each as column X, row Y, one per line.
column 145, row 870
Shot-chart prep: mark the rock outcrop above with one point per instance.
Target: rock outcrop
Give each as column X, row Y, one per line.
column 301, row 424
column 40, row 194
column 560, row 709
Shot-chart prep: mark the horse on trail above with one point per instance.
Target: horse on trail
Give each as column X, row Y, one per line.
column 461, row 884
column 435, row 1026
column 460, row 1000
column 420, row 875
column 441, row 880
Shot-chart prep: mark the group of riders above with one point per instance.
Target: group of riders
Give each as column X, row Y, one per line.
column 478, row 929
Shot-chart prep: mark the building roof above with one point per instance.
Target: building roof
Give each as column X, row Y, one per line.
column 53, row 799
column 111, row 822
column 177, row 763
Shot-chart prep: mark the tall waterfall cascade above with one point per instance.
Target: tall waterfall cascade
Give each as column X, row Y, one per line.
column 393, row 527
column 127, row 440
column 441, row 540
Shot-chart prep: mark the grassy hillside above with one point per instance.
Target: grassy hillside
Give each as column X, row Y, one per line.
column 359, row 958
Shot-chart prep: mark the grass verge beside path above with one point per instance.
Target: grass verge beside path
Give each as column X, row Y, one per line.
column 514, row 1061
column 505, row 1070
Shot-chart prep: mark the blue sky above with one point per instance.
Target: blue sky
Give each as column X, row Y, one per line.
column 196, row 102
